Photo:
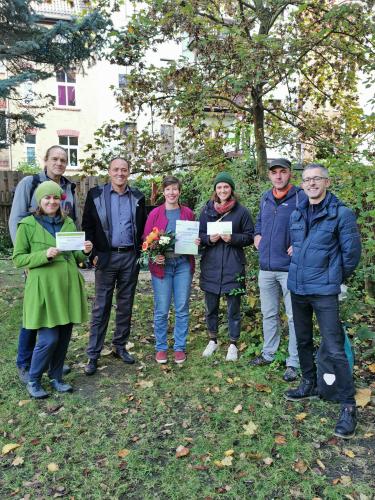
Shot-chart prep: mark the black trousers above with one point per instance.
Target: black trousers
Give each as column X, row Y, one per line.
column 212, row 302
column 120, row 273
column 326, row 309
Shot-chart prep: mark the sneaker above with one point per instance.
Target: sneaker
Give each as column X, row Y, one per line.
column 36, row 390
column 290, row 374
column 210, row 349
column 232, row 354
column 347, row 422
column 161, row 357
column 260, row 361
column 60, row 386
column 179, row 357
column 306, row 389
column 91, row 367
column 23, row 374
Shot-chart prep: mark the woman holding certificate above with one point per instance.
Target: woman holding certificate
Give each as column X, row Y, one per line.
column 55, row 295
column 226, row 228
column 171, row 273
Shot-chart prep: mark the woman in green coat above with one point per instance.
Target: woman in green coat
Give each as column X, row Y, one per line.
column 55, row 295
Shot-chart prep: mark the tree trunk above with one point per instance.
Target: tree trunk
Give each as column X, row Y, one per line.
column 260, row 143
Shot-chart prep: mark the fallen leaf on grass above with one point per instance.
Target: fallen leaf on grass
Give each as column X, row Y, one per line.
column 226, row 462
column 300, row 417
column 223, row 489
column 123, row 453
column 242, row 346
column 349, row 453
column 145, row 384
column 371, row 367
column 344, row 480
column 320, row 464
column 18, row 461
column 237, row 409
column 368, row 435
column 7, row 448
column 363, row 397
column 267, row 404
column 280, row 439
column 106, row 352
column 182, row 451
column 52, row 467
column 229, row 453
column 250, row 428
column 268, row 461
column 263, row 388
column 300, row 466
column 24, row 402
column 200, row 467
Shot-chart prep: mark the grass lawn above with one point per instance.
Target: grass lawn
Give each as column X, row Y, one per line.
column 116, row 436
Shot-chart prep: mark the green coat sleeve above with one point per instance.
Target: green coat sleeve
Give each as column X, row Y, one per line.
column 22, row 255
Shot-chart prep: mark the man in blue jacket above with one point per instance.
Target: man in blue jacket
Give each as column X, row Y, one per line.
column 326, row 249
column 273, row 241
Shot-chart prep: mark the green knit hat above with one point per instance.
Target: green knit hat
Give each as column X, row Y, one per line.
column 47, row 188
column 224, row 177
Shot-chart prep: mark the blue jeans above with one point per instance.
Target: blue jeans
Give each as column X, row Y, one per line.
column 50, row 351
column 176, row 281
column 26, row 344
column 326, row 309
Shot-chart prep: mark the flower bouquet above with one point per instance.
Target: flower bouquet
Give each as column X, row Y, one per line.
column 158, row 242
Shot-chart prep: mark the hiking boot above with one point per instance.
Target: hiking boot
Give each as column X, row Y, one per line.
column 260, row 361
column 36, row 390
column 306, row 389
column 290, row 374
column 66, row 370
column 179, row 357
column 23, row 374
column 91, row 367
column 211, row 347
column 347, row 422
column 60, row 386
column 161, row 357
column 232, row 354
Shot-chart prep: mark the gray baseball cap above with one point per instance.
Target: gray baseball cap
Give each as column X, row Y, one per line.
column 280, row 162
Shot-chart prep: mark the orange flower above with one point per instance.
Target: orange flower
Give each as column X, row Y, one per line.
column 144, row 246
column 155, row 230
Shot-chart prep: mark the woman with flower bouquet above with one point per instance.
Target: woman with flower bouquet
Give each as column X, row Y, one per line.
column 171, row 273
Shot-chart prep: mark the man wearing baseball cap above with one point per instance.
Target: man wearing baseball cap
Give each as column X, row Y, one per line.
column 272, row 241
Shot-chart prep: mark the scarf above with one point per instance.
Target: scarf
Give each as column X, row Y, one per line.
column 223, row 208
column 278, row 195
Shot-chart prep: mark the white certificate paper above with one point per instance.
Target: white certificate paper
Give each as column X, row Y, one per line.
column 219, row 227
column 70, row 241
column 187, row 231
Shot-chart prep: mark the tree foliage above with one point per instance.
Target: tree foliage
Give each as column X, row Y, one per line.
column 240, row 53
column 30, row 51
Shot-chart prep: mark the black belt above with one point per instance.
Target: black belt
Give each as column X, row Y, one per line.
column 122, row 249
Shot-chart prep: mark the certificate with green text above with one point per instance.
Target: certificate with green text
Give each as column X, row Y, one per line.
column 187, row 231
column 70, row 241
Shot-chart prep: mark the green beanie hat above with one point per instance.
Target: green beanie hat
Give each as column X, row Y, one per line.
column 224, row 177
column 48, row 188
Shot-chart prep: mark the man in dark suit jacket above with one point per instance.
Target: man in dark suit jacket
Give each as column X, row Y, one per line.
column 113, row 219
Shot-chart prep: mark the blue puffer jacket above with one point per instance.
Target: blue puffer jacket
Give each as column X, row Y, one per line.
column 273, row 225
column 328, row 252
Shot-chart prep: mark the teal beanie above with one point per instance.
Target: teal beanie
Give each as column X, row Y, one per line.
column 47, row 188
column 224, row 177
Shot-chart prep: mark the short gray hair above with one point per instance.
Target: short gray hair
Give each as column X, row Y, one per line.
column 119, row 158
column 322, row 168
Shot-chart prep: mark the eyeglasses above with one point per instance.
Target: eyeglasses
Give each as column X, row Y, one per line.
column 313, row 179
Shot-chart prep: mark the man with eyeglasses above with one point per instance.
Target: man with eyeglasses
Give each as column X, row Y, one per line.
column 326, row 249
column 272, row 241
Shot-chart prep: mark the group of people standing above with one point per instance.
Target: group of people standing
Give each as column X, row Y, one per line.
column 308, row 243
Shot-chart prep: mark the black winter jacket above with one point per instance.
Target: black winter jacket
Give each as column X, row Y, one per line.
column 223, row 262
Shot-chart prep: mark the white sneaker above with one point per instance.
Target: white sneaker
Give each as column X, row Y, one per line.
column 210, row 349
column 232, row 354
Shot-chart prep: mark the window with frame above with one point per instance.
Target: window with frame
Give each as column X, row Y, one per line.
column 30, row 143
column 66, row 87
column 70, row 144
column 167, row 135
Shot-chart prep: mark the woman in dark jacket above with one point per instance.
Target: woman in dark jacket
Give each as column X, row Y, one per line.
column 223, row 260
